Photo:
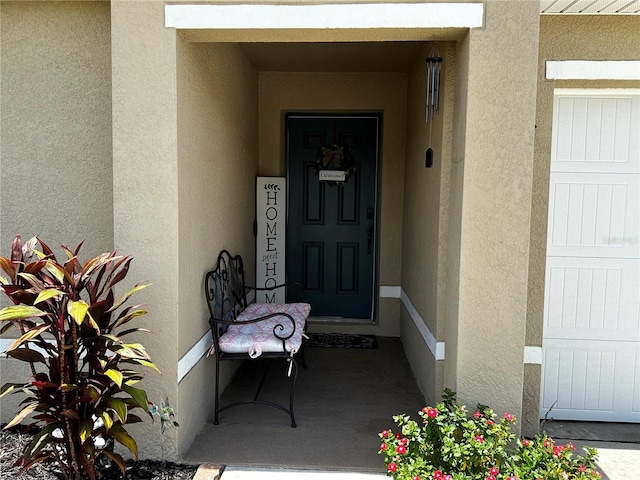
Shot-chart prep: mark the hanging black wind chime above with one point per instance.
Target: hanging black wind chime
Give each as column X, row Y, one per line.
column 434, row 64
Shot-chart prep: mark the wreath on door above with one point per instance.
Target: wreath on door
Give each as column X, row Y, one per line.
column 336, row 157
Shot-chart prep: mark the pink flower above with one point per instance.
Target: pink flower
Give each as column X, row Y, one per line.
column 493, row 471
column 477, row 414
column 512, row 477
column 438, row 475
column 582, row 468
column 491, row 477
column 557, row 450
column 383, row 446
column 571, row 446
column 384, row 434
column 449, row 477
column 431, row 412
column 416, row 477
column 489, row 422
column 526, row 443
column 398, row 435
column 547, row 442
column 392, row 467
column 478, row 438
column 404, row 441
column 401, row 449
column 508, row 417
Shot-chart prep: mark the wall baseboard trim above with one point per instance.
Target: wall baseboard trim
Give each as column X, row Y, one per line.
column 436, row 348
column 390, row 291
column 193, row 356
column 532, row 355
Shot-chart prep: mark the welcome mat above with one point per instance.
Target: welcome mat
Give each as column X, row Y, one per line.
column 340, row 340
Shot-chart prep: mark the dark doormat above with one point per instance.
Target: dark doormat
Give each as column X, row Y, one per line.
column 340, row 340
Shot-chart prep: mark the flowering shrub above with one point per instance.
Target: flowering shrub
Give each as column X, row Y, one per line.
column 452, row 444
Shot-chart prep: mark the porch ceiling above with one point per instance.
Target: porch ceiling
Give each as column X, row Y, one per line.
column 333, row 56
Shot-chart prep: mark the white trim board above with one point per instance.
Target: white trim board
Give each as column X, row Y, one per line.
column 593, row 70
column 325, row 16
column 436, row 348
column 4, row 344
column 193, row 356
column 387, row 291
column 532, row 355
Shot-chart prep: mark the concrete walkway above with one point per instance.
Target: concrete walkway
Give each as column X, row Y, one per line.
column 236, row 473
column 618, row 445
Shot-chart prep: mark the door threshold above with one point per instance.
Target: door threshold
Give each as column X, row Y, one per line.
column 340, row 320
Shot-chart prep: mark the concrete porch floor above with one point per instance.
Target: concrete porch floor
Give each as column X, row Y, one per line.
column 343, row 399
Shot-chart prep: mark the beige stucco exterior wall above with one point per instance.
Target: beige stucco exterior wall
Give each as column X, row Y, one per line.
column 344, row 92
column 56, row 122
column 425, row 225
column 454, row 225
column 145, row 190
column 563, row 38
column 217, row 166
column 496, row 202
column 55, row 135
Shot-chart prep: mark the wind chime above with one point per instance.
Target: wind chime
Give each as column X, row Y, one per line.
column 434, row 64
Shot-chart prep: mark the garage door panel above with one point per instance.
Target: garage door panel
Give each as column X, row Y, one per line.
column 591, row 339
column 585, row 380
column 594, row 215
column 596, row 133
column 592, row 298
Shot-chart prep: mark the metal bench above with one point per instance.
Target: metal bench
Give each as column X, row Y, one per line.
column 244, row 331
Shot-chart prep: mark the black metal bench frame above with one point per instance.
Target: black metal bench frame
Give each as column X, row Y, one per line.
column 226, row 291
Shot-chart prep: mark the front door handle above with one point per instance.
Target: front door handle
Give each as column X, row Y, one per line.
column 369, row 238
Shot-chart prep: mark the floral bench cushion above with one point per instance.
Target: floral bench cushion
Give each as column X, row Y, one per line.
column 257, row 338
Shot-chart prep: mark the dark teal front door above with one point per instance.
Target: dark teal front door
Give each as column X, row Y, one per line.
column 332, row 225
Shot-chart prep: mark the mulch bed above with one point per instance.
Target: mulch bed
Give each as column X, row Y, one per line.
column 12, row 442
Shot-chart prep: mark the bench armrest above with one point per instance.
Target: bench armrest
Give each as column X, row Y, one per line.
column 278, row 328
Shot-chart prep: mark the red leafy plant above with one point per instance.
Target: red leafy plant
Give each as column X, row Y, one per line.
column 452, row 444
column 81, row 393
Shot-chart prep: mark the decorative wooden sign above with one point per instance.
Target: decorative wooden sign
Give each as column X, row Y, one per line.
column 270, row 237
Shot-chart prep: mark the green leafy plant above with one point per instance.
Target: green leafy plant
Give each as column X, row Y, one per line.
column 81, row 393
column 452, row 444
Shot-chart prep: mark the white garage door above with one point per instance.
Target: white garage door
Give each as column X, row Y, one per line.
column 591, row 344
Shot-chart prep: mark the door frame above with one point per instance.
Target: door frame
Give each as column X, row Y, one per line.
column 375, row 287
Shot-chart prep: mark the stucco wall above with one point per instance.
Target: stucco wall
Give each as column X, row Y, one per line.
column 425, row 226
column 347, row 92
column 496, row 202
column 145, row 196
column 452, row 292
column 217, row 166
column 55, row 140
column 563, row 38
column 56, row 123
